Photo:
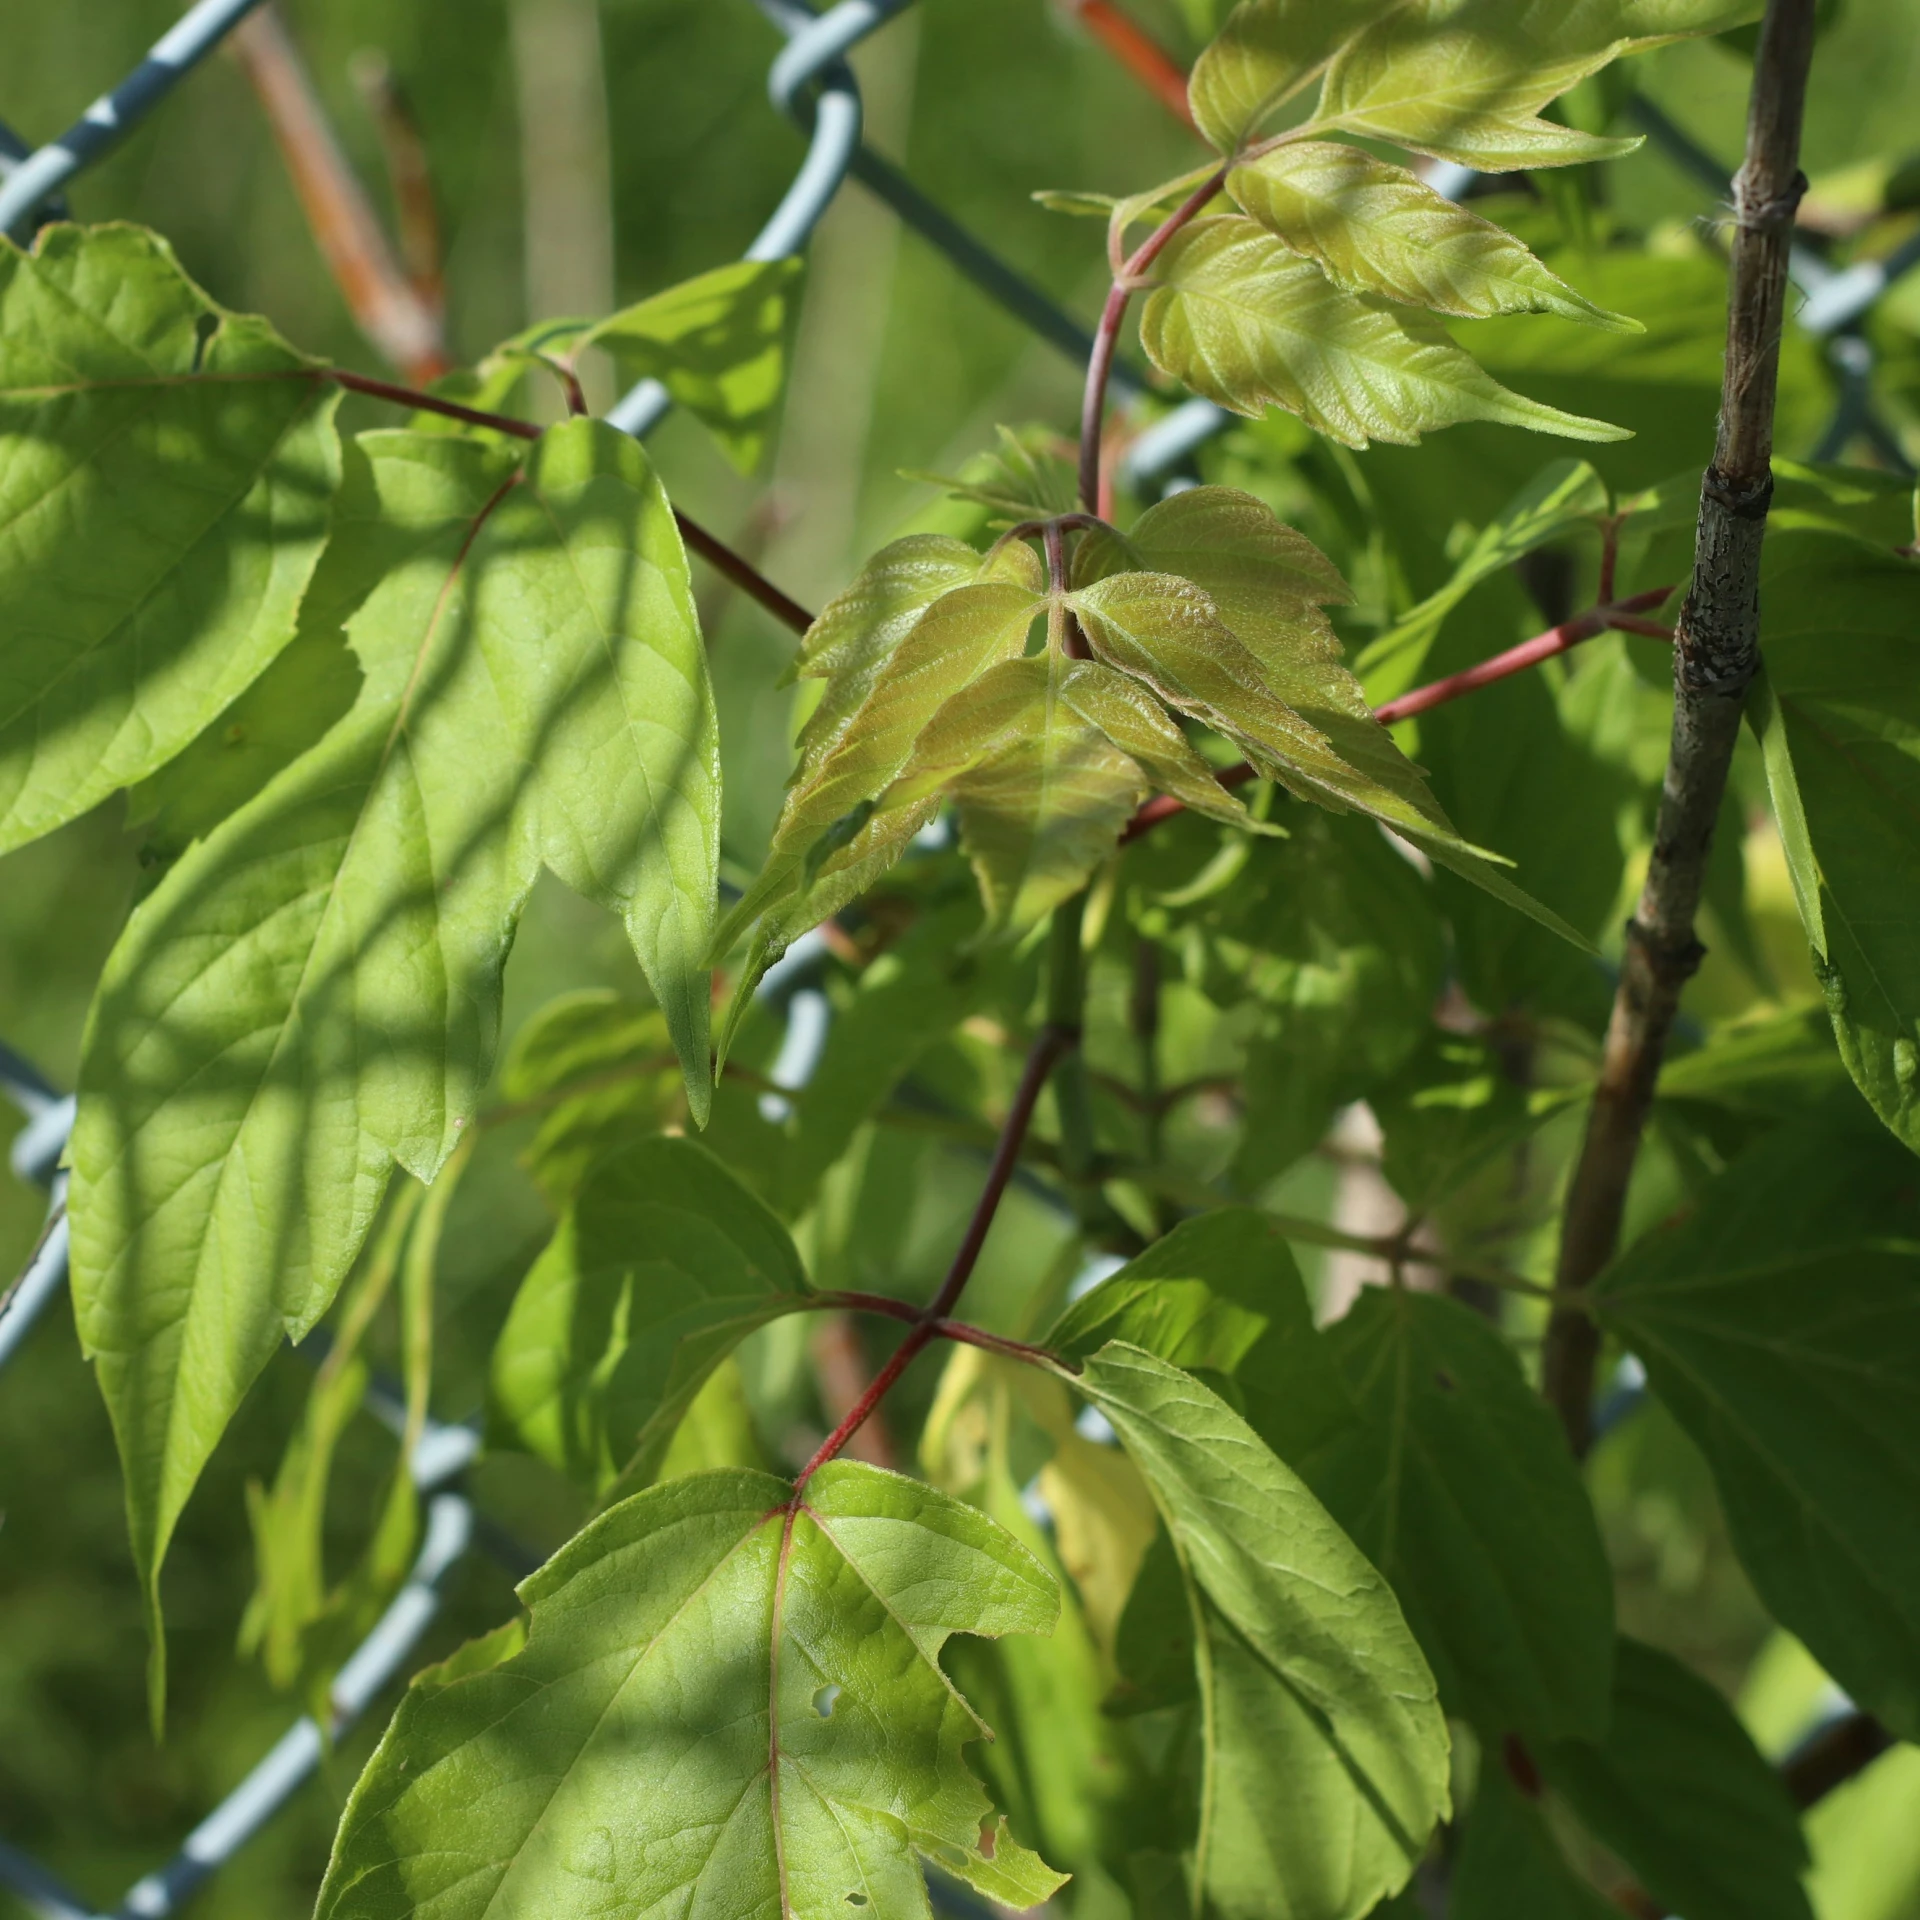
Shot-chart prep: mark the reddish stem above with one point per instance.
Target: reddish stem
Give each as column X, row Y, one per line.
column 1622, row 616
column 715, row 552
column 1139, row 53
column 959, row 1330
column 1042, row 1057
column 1106, row 342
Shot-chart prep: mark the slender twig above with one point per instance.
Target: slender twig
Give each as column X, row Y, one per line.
column 1621, row 616
column 386, row 303
column 1106, row 342
column 1716, row 655
column 1048, row 1048
column 844, row 1372
column 416, row 208
column 714, row 551
column 1137, row 51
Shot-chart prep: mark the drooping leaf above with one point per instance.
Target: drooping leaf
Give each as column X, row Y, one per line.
column 1249, row 324
column 1560, row 499
column 600, row 1072
column 658, row 1269
column 1167, row 632
column 1511, row 1864
column 1327, row 1753
column 831, row 840
column 1466, row 82
column 1377, row 228
column 1780, row 1321
column 1679, row 1792
column 1020, row 480
column 1474, row 1513
column 166, row 472
column 1267, row 51
column 724, row 1705
column 1839, row 722
column 311, row 996
column 718, row 344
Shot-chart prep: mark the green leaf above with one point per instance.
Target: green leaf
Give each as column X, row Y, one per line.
column 659, row 1268
column 1026, row 482
column 1780, row 1321
column 1249, row 324
column 1511, row 1864
column 833, row 839
column 1562, row 498
column 620, row 1763
column 1377, row 228
column 167, row 473
column 1267, row 51
column 1327, row 1754
column 1166, row 631
column 718, row 344
column 1466, row 82
column 1471, row 1507
column 600, row 1072
column 1838, row 716
column 1680, row 1793
column 311, row 996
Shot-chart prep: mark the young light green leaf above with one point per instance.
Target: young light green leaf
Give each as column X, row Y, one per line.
column 312, row 993
column 1511, row 1864
column 1327, row 1753
column 1377, row 228
column 658, row 1269
column 833, row 835
column 1267, row 51
column 726, row 1704
column 1679, row 1791
column 1042, row 794
column 166, row 470
column 1476, row 1516
column 1026, row 482
column 1327, row 748
column 1561, row 499
column 1780, row 1321
column 717, row 343
column 1249, row 324
column 1839, row 722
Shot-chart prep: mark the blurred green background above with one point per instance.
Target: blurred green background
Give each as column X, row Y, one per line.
column 662, row 154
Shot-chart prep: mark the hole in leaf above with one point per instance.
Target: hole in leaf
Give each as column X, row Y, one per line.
column 204, row 329
column 856, row 1899
column 823, row 1704
column 989, row 1836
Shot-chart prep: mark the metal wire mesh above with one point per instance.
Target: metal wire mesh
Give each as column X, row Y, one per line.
column 812, row 82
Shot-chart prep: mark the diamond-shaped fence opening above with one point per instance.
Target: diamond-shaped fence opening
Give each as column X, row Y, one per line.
column 812, row 82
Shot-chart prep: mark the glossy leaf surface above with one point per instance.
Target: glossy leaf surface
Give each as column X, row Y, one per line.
column 720, row 1708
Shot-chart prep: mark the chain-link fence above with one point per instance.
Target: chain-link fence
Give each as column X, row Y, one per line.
column 812, row 82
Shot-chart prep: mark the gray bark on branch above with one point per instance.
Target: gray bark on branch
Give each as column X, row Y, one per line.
column 1716, row 655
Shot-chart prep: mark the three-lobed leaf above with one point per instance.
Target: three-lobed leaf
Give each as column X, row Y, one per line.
column 729, row 1701
column 311, row 995
column 166, row 474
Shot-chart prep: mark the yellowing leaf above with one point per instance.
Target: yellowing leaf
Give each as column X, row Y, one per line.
column 1376, row 228
column 1249, row 324
column 724, row 1706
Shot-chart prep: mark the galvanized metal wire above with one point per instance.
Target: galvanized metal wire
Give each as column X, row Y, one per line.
column 812, row 82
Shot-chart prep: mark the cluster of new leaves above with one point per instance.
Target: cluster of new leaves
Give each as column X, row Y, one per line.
column 365, row 692
column 1209, row 609
column 1321, row 285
